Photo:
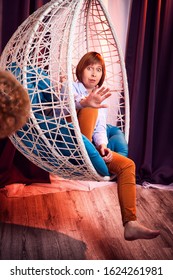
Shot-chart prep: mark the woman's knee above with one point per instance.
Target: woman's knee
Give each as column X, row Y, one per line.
column 120, row 163
column 130, row 164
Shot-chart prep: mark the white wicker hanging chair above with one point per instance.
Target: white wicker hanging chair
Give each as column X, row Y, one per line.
column 47, row 46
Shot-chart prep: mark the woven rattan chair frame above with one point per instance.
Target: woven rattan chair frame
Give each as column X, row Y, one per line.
column 44, row 49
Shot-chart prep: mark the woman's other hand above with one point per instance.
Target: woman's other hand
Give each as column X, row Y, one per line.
column 105, row 152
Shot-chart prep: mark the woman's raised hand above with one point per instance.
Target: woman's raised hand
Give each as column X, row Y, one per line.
column 96, row 97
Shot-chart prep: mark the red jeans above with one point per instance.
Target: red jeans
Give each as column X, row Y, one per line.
column 123, row 167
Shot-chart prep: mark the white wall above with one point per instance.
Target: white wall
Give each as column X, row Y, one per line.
column 119, row 11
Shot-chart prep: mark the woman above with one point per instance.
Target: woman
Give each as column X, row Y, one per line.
column 89, row 96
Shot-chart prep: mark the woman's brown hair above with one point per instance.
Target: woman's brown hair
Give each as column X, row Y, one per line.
column 89, row 59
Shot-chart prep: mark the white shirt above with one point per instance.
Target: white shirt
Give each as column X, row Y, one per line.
column 99, row 135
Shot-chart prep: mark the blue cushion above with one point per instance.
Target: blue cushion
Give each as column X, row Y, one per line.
column 117, row 142
column 97, row 161
column 64, row 144
column 67, row 143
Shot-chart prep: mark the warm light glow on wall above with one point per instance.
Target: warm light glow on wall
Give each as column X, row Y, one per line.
column 119, row 11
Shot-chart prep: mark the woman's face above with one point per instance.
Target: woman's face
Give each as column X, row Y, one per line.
column 92, row 75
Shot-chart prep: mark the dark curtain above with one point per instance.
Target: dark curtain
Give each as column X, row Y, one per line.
column 12, row 14
column 14, row 167
column 149, row 62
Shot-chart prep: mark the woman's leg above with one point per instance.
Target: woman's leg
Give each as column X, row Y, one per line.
column 124, row 168
column 87, row 118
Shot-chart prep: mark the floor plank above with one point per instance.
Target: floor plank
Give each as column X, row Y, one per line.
column 77, row 225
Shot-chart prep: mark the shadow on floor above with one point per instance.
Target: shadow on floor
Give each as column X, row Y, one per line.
column 29, row 243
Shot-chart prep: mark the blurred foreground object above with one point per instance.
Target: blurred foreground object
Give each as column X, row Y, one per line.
column 14, row 104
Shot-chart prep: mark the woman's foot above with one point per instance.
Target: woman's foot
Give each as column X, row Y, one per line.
column 133, row 230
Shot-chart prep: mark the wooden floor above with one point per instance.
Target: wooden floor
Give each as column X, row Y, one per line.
column 79, row 225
